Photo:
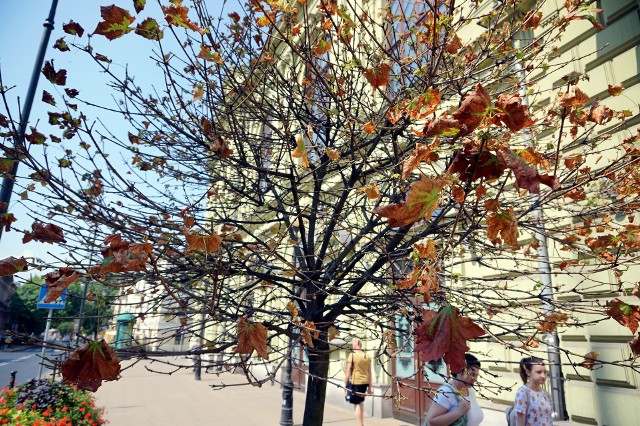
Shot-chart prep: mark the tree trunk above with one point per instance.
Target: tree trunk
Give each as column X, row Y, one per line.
column 316, row 384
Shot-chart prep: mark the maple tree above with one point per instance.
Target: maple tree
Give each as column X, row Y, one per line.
column 291, row 176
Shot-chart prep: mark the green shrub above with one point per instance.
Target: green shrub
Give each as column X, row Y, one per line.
column 47, row 403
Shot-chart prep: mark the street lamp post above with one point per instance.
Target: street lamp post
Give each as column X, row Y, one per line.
column 18, row 140
column 286, row 412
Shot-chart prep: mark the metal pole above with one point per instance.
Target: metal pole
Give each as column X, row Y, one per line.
column 556, row 378
column 85, row 287
column 46, row 338
column 12, row 383
column 18, row 140
column 286, row 412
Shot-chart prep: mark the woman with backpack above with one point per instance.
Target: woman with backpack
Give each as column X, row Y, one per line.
column 533, row 406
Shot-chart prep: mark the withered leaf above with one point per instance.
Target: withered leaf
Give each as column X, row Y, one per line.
column 422, row 152
column 122, row 256
column 422, row 200
column 551, row 321
column 378, row 76
column 626, row 314
column 11, row 265
column 73, row 28
column 473, row 110
column 308, row 332
column 203, row 243
column 48, row 233
column 58, row 281
column 116, row 22
column 590, row 360
column 90, row 365
column 512, row 112
column 444, row 334
column 252, row 336
column 56, row 77
column 503, row 227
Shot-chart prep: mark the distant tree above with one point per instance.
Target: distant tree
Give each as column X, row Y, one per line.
column 29, row 319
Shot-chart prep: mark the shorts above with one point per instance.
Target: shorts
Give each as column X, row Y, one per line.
column 359, row 392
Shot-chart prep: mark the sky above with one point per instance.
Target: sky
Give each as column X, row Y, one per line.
column 21, row 32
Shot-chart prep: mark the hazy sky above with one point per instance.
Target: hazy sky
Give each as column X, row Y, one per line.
column 21, row 30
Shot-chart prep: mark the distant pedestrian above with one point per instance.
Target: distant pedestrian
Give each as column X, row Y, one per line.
column 455, row 402
column 533, row 405
column 359, row 374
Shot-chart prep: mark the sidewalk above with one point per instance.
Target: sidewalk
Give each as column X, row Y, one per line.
column 144, row 398
column 141, row 397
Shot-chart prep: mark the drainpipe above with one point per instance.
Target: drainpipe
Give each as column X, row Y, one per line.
column 556, row 378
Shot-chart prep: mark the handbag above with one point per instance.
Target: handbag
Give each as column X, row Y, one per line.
column 349, row 385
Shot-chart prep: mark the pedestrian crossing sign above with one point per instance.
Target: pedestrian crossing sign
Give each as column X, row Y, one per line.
column 56, row 304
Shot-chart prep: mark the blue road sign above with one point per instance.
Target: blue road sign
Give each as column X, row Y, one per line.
column 56, row 304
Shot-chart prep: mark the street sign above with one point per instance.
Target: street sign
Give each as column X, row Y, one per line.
column 56, row 304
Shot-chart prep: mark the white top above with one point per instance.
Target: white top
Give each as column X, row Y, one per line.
column 537, row 406
column 475, row 415
column 446, row 397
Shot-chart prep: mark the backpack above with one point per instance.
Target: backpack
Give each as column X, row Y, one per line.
column 510, row 413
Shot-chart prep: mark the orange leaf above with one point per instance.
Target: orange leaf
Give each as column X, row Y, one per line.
column 369, row 127
column 551, row 321
column 203, row 243
column 252, row 336
column 122, row 256
column 90, row 365
column 458, row 193
column 615, row 90
column 453, row 44
column 208, row 55
column 429, row 281
column 599, row 113
column 473, row 110
column 504, row 224
column 11, row 265
column 321, row 47
column 573, row 161
column 422, row 152
column 371, row 191
column 49, row 233
column 512, row 112
column 301, row 151
column 378, row 76
column 422, row 201
column 590, row 360
column 58, row 281
column 309, row 332
column 574, row 97
column 444, row 334
column 532, row 20
column 426, row 249
column 176, row 14
column 332, row 154
column 625, row 314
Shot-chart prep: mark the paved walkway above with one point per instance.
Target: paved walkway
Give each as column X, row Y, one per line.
column 144, row 398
